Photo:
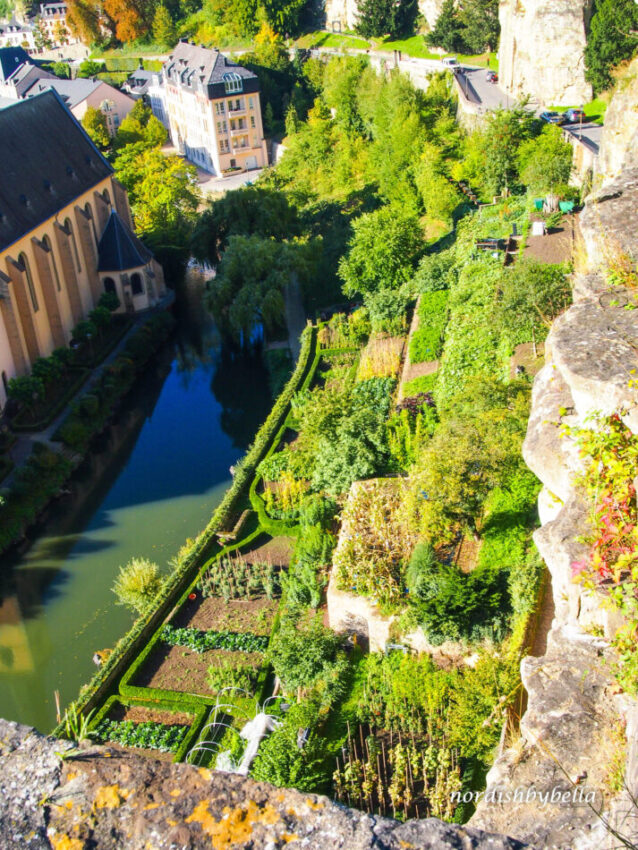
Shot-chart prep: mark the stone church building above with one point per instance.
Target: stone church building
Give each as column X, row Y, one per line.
column 66, row 234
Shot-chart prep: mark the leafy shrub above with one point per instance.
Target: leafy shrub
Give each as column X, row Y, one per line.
column 138, row 584
column 426, row 341
column 200, row 641
column 109, row 300
column 306, row 575
column 316, row 509
column 284, row 763
column 420, row 386
column 308, row 656
column 435, row 272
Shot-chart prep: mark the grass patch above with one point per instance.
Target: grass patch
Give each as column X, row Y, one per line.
column 321, row 38
column 413, row 46
column 594, row 111
column 424, row 384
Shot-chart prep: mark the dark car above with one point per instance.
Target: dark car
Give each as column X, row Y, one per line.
column 491, row 77
column 553, row 117
column 574, row 116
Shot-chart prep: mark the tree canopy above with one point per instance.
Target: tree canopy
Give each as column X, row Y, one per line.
column 613, row 37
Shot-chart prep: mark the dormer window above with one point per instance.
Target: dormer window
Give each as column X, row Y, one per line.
column 232, row 83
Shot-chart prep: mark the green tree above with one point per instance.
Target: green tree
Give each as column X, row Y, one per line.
column 546, row 161
column 163, row 28
column 481, row 28
column 498, row 145
column 140, row 127
column 94, row 123
column 27, row 390
column 61, row 69
column 532, row 295
column 382, row 252
column 448, row 30
column 292, row 120
column 137, row 584
column 377, row 18
column 440, row 198
column 89, row 68
column 613, row 37
column 284, row 15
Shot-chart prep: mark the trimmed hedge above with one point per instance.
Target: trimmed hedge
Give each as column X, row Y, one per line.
column 184, row 578
column 72, row 388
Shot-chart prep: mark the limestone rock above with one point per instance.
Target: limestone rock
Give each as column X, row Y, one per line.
column 609, row 221
column 565, row 730
column 111, row 800
column 430, row 9
column 620, row 137
column 551, row 457
column 541, row 53
column 345, row 12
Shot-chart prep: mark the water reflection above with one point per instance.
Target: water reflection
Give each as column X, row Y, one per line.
column 153, row 480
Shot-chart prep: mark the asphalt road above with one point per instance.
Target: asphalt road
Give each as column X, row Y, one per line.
column 490, row 96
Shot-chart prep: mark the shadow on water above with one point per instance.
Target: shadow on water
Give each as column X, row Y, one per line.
column 153, row 479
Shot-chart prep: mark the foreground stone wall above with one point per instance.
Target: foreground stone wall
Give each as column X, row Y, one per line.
column 112, row 800
column 542, row 47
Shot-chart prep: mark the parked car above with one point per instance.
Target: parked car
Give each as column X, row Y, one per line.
column 574, row 116
column 491, row 77
column 553, row 117
column 452, row 63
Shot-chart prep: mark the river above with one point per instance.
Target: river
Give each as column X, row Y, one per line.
column 153, row 480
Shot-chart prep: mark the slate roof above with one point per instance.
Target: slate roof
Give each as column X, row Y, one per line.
column 119, row 248
column 46, row 161
column 26, row 76
column 10, row 59
column 72, row 92
column 196, row 68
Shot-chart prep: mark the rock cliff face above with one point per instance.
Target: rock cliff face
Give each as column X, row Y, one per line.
column 345, row 12
column 573, row 706
column 542, row 50
column 620, row 139
column 111, row 800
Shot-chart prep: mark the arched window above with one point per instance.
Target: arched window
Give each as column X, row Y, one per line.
column 106, row 196
column 137, row 287
column 109, row 285
column 69, row 229
column 22, row 259
column 89, row 212
column 232, row 83
column 47, row 244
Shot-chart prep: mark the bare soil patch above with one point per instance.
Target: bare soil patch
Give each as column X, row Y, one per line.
column 556, row 246
column 178, row 668
column 524, row 356
column 141, row 714
column 418, row 370
column 237, row 615
column 277, row 551
column 467, row 554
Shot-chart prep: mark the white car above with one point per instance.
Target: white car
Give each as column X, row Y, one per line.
column 452, row 63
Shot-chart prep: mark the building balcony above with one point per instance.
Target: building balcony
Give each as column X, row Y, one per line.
column 238, row 131
column 237, row 111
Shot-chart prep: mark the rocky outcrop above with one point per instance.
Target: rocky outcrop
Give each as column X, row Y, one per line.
column 541, row 52
column 345, row 12
column 108, row 799
column 620, row 140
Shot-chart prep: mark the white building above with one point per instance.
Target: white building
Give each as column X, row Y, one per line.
column 214, row 111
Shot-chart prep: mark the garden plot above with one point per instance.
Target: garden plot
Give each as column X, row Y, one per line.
column 155, row 732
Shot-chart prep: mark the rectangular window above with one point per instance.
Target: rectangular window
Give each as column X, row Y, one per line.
column 252, row 121
column 219, row 127
column 250, row 103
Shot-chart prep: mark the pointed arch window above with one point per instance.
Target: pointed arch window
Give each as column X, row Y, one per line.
column 47, row 244
column 24, row 262
column 69, row 229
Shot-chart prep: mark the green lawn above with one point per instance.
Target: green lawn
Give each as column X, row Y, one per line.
column 416, row 46
column 595, row 110
column 320, row 38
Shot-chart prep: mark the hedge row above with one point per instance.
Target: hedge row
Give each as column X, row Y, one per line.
column 186, row 575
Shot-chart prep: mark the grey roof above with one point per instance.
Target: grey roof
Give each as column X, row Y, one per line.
column 47, row 161
column 26, row 76
column 119, row 248
column 72, row 92
column 197, row 68
column 10, row 59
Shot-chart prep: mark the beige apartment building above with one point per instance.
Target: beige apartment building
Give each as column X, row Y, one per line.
column 214, row 111
column 65, row 234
